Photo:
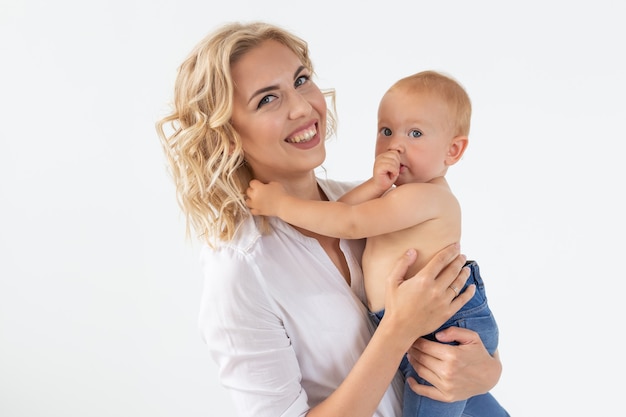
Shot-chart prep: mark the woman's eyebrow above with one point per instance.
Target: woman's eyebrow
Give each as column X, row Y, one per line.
column 274, row 87
column 298, row 71
column 261, row 91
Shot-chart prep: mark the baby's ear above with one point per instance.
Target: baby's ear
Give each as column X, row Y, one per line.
column 456, row 150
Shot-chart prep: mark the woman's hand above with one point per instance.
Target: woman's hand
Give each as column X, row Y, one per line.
column 457, row 372
column 420, row 304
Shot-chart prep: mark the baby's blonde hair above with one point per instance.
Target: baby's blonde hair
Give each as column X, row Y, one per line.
column 448, row 89
column 203, row 149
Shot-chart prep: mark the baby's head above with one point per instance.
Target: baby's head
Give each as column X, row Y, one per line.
column 445, row 89
column 425, row 117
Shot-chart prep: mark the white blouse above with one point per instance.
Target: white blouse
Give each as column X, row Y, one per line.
column 281, row 322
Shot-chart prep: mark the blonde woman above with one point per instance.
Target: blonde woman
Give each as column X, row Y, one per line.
column 283, row 310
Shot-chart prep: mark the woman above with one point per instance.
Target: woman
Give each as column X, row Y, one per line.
column 282, row 309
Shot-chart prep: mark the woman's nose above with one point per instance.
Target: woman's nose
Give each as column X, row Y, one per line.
column 299, row 105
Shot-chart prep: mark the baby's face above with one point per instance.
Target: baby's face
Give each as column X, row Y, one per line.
column 417, row 126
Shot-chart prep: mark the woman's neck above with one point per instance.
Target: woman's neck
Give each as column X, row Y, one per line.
column 304, row 187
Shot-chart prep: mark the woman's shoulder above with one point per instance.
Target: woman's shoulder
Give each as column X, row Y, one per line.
column 246, row 234
column 230, row 268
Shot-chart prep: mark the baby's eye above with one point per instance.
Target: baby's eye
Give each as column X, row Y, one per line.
column 415, row 133
column 301, row 80
column 385, row 131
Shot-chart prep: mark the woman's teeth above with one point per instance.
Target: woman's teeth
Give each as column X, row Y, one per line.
column 304, row 136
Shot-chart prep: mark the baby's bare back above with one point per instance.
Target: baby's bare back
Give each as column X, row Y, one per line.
column 382, row 252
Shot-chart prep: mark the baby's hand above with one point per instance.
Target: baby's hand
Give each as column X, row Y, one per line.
column 263, row 199
column 386, row 169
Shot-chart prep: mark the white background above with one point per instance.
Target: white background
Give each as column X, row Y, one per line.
column 99, row 290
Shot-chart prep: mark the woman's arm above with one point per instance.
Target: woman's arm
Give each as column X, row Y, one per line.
column 425, row 296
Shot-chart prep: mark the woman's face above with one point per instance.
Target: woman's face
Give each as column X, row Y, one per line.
column 279, row 113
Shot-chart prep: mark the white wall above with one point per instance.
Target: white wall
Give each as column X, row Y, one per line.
column 99, row 291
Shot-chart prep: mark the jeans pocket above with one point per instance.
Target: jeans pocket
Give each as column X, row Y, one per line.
column 486, row 327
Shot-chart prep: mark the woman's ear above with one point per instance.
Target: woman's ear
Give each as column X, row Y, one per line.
column 456, row 150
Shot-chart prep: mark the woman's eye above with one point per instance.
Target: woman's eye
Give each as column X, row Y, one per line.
column 301, row 80
column 266, row 99
column 415, row 133
column 385, row 131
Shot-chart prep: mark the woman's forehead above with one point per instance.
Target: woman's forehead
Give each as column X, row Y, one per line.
column 265, row 66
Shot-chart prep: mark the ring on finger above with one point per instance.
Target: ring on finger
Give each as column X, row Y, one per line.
column 453, row 288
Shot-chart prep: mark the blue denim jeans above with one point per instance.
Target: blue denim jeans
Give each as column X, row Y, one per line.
column 474, row 315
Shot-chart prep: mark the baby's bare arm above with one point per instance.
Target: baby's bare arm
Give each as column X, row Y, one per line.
column 323, row 217
column 404, row 207
column 386, row 171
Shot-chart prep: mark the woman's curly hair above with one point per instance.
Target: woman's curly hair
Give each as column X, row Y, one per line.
column 203, row 150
